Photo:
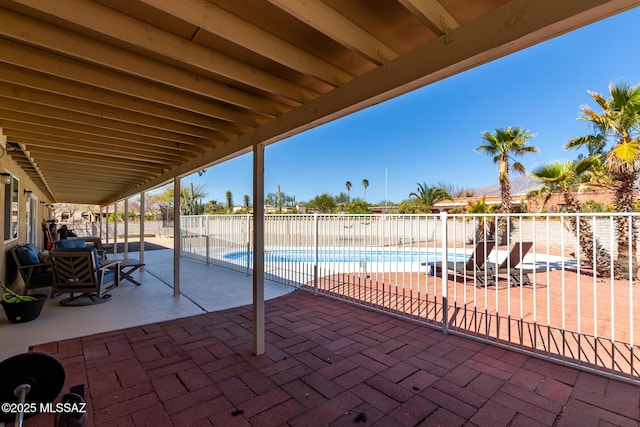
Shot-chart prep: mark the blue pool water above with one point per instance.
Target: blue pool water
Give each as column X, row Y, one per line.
column 350, row 255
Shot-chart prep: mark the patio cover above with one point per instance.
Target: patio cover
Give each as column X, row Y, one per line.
column 101, row 100
column 129, row 94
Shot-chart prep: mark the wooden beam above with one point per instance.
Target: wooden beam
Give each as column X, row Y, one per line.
column 25, row 118
column 60, row 66
column 39, row 149
column 95, row 186
column 92, row 157
column 507, row 29
column 49, row 99
column 92, row 179
column 123, row 151
column 329, row 22
column 24, row 77
column 218, row 21
column 96, row 121
column 84, row 140
column 59, row 160
column 108, row 22
column 432, row 14
column 38, row 33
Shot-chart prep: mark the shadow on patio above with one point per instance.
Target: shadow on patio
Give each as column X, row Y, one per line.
column 327, row 363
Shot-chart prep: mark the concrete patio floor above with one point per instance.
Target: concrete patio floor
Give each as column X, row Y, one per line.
column 204, row 288
column 175, row 362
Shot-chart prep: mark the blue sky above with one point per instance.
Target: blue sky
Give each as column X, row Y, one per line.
column 430, row 135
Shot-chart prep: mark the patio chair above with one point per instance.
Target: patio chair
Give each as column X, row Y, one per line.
column 473, row 266
column 35, row 271
column 76, row 272
column 103, row 249
column 512, row 265
column 79, row 242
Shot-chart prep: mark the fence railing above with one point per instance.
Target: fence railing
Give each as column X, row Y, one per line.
column 568, row 293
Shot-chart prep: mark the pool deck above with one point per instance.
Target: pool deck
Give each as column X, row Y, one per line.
column 148, row 358
column 327, row 363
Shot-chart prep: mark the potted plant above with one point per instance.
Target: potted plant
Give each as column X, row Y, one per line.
column 21, row 308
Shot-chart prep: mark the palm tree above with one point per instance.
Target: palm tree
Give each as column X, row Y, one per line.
column 348, row 185
column 429, row 196
column 564, row 177
column 247, row 200
column 229, row 198
column 503, row 145
column 486, row 229
column 618, row 122
column 365, row 184
column 279, row 200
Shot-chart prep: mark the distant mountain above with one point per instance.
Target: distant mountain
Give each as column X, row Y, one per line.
column 519, row 186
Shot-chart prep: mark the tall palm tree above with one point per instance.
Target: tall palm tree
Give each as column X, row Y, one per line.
column 229, row 198
column 618, row 122
column 429, row 196
column 503, row 145
column 564, row 177
column 348, row 184
column 279, row 200
column 365, row 184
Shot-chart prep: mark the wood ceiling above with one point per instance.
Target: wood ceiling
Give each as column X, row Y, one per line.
column 103, row 99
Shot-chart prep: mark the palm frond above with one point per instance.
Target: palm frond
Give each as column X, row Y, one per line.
column 623, row 158
column 600, row 100
column 519, row 168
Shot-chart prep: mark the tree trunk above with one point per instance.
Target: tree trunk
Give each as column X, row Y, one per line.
column 627, row 265
column 502, row 237
column 590, row 246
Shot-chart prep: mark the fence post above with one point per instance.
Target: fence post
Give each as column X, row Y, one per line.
column 444, row 273
column 315, row 260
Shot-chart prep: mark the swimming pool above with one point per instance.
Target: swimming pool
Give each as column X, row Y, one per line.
column 347, row 255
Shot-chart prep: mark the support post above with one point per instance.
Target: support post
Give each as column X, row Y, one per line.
column 176, row 236
column 315, row 259
column 125, row 250
column 115, row 228
column 258, row 250
column 249, row 237
column 106, row 224
column 142, row 208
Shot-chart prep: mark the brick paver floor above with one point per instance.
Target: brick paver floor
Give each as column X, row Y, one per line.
column 326, row 363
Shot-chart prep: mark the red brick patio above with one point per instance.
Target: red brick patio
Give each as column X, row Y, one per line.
column 327, row 363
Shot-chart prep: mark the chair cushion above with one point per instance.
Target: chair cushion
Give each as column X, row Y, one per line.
column 28, row 254
column 79, row 244
column 41, row 276
column 109, row 276
column 97, row 258
column 72, row 243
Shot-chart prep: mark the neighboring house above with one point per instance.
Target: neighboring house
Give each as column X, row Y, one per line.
column 556, row 202
column 461, row 203
column 268, row 209
column 379, row 210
